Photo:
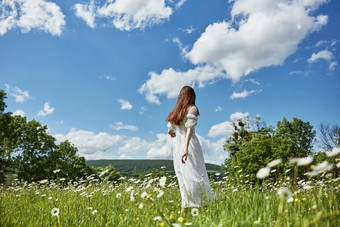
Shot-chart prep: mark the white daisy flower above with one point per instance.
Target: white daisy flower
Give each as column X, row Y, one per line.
column 55, row 211
column 162, row 181
column 274, row 163
column 194, row 212
column 263, row 173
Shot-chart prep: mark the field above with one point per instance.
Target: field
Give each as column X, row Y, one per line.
column 156, row 202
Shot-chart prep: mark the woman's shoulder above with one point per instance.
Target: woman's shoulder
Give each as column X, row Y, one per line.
column 193, row 110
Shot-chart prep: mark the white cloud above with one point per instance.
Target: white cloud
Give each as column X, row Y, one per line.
column 46, row 111
column 243, row 94
column 86, row 12
column 260, row 34
column 124, row 156
column 332, row 65
column 134, row 145
column 222, row 129
column 226, row 129
column 189, row 30
column 239, row 115
column 320, row 43
column 31, row 14
column 20, row 95
column 180, row 45
column 126, row 14
column 169, row 82
column 218, row 108
column 162, row 148
column 323, row 54
column 19, row 113
column 119, row 125
column 90, row 145
column 125, row 105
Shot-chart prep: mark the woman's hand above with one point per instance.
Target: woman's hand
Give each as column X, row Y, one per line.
column 172, row 133
column 184, row 157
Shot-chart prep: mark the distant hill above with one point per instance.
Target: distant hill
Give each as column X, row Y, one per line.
column 135, row 167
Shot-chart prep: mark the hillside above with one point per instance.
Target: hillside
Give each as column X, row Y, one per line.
column 135, row 167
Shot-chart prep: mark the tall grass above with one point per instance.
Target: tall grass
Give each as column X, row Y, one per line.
column 88, row 202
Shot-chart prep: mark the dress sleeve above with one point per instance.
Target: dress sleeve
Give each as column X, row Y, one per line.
column 191, row 117
column 171, row 126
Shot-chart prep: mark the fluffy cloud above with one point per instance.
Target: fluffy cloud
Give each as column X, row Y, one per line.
column 218, row 108
column 169, row 82
column 260, row 34
column 126, row 14
column 90, row 145
column 119, row 125
column 31, row 14
column 86, row 12
column 125, row 105
column 19, row 113
column 243, row 94
column 46, row 111
column 332, row 65
column 226, row 128
column 324, row 54
column 162, row 148
column 134, row 145
column 20, row 96
column 222, row 129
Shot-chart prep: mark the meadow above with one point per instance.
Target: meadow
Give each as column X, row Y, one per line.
column 155, row 201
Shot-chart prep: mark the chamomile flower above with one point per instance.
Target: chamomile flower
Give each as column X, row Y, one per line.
column 263, row 173
column 194, row 212
column 55, row 211
column 162, row 181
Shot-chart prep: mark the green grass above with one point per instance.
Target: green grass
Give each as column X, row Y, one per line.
column 91, row 203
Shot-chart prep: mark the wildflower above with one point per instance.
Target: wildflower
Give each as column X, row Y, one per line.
column 89, row 208
column 55, row 211
column 62, row 179
column 326, row 195
column 171, row 201
column 118, row 195
column 157, row 218
column 56, row 171
column 163, row 167
column 307, row 187
column 263, row 173
column 334, row 152
column 188, row 223
column 323, row 167
column 256, row 222
column 94, row 212
column 176, row 225
column 161, row 224
column 217, row 174
column 129, row 189
column 43, row 195
column 141, row 205
column 162, row 181
column 43, row 181
column 194, row 212
column 284, row 193
column 181, row 219
column 274, row 163
column 160, row 194
column 305, row 161
column 296, row 200
column 49, row 197
column 303, row 199
column 144, row 194
column 235, row 190
column 290, row 200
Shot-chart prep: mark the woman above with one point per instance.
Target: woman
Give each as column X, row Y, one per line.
column 188, row 156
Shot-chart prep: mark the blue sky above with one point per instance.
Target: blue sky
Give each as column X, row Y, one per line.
column 105, row 74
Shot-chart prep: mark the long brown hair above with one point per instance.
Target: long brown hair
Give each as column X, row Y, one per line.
column 186, row 99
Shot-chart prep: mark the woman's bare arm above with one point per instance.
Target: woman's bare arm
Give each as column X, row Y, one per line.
column 184, row 156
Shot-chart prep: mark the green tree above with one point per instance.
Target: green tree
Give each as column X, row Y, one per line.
column 66, row 161
column 301, row 133
column 250, row 150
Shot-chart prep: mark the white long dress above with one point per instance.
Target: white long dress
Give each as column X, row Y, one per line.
column 192, row 176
